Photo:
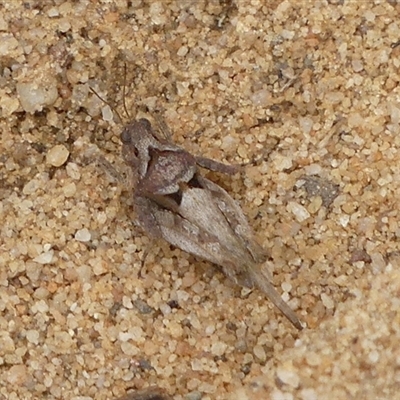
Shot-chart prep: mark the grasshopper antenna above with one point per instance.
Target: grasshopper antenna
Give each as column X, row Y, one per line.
column 123, row 99
column 106, row 102
column 124, row 93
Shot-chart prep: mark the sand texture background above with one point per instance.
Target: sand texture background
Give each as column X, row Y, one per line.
column 305, row 94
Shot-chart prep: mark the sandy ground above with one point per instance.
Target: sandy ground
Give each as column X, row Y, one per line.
column 305, row 94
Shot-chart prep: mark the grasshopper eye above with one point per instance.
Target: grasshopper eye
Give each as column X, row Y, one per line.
column 128, row 143
column 145, row 124
column 126, row 137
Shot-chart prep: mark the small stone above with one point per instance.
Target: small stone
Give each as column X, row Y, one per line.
column 183, row 51
column 34, row 96
column 355, row 119
column 99, row 267
column 107, row 113
column 69, row 190
column 124, row 336
column 53, row 12
column 73, row 171
column 57, row 156
column 313, row 169
column 149, row 348
column 259, row 352
column 207, row 387
column 175, row 329
column 279, row 395
column 84, row 272
column 101, row 218
column 182, row 295
column 45, row 258
column 195, row 395
column 357, row 65
column 165, row 309
column 32, row 336
column 3, row 24
column 315, row 204
column 83, row 235
column 334, row 97
column 341, row 280
column 210, row 329
column 313, row 359
column 327, row 301
column 142, row 306
column 218, row 348
column 41, row 307
column 64, row 25
column 17, row 375
column 182, row 88
column 373, row 356
column 41, row 293
column 308, row 394
column 298, row 211
column 82, row 398
column 7, row 344
column 282, row 163
column 344, row 220
column 288, row 376
column 8, row 105
column 31, row 187
column 157, row 13
column 198, row 287
column 317, row 186
column 261, row 98
column 163, row 67
column 8, row 43
column 306, row 124
column 286, row 286
column 228, row 143
column 378, row 263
